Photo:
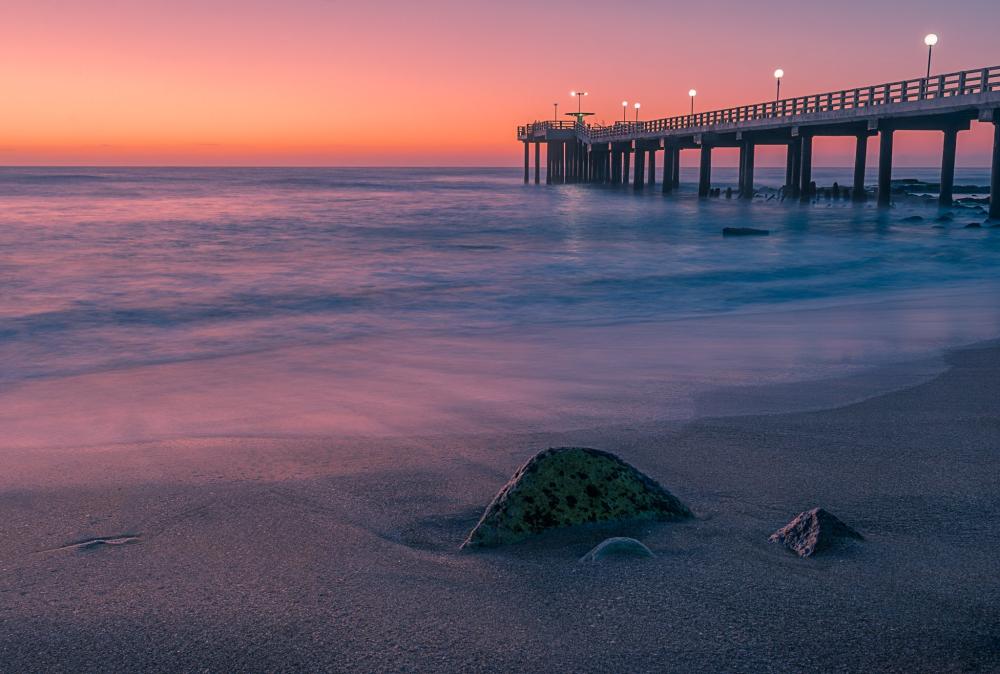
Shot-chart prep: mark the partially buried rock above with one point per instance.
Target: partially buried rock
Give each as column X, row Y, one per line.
column 812, row 531
column 744, row 231
column 619, row 546
column 567, row 486
column 973, row 225
column 913, row 218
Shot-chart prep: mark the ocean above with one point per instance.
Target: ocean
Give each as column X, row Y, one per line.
column 142, row 304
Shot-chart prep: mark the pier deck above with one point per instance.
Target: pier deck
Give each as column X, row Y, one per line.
column 949, row 103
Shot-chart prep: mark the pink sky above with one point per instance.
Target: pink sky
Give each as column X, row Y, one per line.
column 326, row 82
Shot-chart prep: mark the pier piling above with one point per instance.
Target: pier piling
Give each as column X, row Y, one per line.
column 885, row 168
column 946, row 196
column 705, row 171
column 995, row 175
column 668, row 169
column 805, row 167
column 860, row 157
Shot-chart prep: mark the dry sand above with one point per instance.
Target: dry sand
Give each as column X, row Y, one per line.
column 255, row 554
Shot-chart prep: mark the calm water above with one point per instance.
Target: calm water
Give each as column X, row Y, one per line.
column 144, row 303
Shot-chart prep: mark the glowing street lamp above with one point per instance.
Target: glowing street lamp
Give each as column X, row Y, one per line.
column 930, row 40
column 692, row 93
column 624, row 111
column 579, row 98
column 637, row 106
column 778, row 74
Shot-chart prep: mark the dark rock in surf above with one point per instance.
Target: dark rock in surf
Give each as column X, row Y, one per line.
column 813, row 531
column 973, row 225
column 744, row 231
column 568, row 486
column 913, row 218
column 619, row 546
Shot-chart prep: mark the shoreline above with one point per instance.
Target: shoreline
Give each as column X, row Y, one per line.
column 261, row 554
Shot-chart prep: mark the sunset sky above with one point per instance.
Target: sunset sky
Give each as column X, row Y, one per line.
column 442, row 82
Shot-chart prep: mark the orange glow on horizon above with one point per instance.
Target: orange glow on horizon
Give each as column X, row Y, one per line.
column 321, row 82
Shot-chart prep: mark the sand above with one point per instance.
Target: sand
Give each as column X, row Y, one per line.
column 257, row 554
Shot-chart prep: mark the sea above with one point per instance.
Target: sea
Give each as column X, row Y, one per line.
column 144, row 304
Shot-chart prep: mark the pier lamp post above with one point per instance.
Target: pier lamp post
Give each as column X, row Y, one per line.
column 930, row 40
column 692, row 93
column 579, row 98
column 778, row 74
column 555, row 112
column 624, row 111
column 637, row 106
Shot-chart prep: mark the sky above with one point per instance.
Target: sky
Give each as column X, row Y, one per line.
column 440, row 82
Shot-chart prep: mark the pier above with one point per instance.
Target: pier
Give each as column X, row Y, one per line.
column 625, row 153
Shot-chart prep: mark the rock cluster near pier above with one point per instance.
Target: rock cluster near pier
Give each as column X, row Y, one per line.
column 567, row 486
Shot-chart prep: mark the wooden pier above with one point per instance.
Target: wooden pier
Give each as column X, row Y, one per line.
column 577, row 152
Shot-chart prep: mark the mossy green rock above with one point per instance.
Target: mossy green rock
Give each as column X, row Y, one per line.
column 567, row 486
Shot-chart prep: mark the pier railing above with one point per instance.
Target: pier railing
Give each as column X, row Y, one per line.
column 966, row 82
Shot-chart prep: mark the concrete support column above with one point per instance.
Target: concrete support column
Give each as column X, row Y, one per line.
column 538, row 157
column 626, row 157
column 668, row 169
column 526, row 167
column 746, row 187
column 741, row 180
column 651, row 178
column 948, row 167
column 789, row 164
column 563, row 156
column 860, row 157
column 677, row 167
column 705, row 171
column 795, row 152
column 995, row 176
column 548, row 162
column 806, row 168
column 639, row 179
column 607, row 168
column 885, row 168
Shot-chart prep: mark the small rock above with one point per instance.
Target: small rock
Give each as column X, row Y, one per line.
column 567, row 486
column 973, row 225
column 812, row 531
column 913, row 218
column 944, row 217
column 744, row 231
column 619, row 546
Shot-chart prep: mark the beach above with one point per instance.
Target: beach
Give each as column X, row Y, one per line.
column 250, row 415
column 253, row 554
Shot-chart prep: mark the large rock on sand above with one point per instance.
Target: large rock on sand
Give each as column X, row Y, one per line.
column 812, row 531
column 567, row 486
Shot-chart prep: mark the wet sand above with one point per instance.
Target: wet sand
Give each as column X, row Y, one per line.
column 257, row 554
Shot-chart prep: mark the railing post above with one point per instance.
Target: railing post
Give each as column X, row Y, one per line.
column 961, row 83
column 984, row 78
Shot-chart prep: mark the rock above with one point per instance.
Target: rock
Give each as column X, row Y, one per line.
column 973, row 225
column 812, row 531
column 944, row 217
column 618, row 546
column 744, row 231
column 567, row 486
column 913, row 218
